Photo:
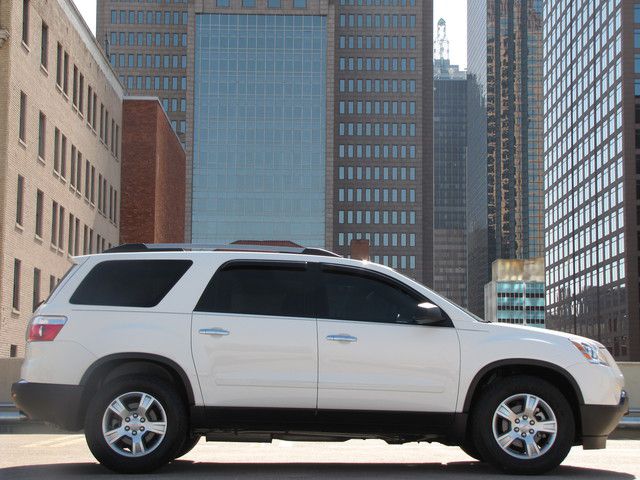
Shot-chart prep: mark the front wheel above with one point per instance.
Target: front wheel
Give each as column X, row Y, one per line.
column 523, row 425
column 135, row 424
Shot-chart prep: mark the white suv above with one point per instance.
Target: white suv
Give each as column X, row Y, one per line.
column 150, row 347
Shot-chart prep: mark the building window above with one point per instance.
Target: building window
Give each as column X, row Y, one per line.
column 299, row 3
column 222, row 3
column 39, row 212
column 25, row 22
column 636, row 13
column 65, row 73
column 23, row 117
column 20, row 201
column 59, row 65
column 273, row 3
column 248, row 3
column 42, row 135
column 13, row 351
column 36, row 288
column 44, row 46
column 54, row 223
column 16, row 284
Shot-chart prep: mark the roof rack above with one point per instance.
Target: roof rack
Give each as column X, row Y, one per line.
column 235, row 247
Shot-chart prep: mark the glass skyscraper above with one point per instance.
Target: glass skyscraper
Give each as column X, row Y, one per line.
column 259, row 138
column 592, row 167
column 505, row 199
column 449, row 157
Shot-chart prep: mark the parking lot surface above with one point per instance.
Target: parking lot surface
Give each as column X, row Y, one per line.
column 56, row 456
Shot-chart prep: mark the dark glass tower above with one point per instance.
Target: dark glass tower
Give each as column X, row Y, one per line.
column 449, row 156
column 504, row 171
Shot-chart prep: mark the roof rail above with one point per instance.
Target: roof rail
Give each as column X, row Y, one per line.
column 235, row 247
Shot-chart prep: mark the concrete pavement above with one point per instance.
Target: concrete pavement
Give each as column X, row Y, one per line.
column 54, row 456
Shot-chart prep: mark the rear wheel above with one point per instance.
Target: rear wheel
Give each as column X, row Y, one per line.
column 523, row 425
column 135, row 424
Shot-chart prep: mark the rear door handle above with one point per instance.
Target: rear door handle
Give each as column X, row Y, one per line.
column 342, row 338
column 219, row 332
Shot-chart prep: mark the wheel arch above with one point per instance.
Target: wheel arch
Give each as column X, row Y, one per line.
column 113, row 366
column 550, row 372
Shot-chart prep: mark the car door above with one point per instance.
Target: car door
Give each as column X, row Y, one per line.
column 254, row 337
column 372, row 353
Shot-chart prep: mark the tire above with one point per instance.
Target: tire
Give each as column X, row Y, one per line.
column 470, row 449
column 553, row 425
column 188, row 444
column 143, row 438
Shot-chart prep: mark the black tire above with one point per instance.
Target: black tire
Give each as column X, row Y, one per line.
column 188, row 444
column 162, row 449
column 470, row 449
column 552, row 452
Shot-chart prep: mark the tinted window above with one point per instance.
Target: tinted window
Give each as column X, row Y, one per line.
column 351, row 295
column 129, row 283
column 278, row 290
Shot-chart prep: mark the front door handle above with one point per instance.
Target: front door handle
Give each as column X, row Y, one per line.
column 342, row 338
column 220, row 332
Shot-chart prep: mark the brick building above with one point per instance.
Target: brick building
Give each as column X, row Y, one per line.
column 153, row 175
column 60, row 128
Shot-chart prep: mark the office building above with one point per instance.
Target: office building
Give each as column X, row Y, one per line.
column 383, row 153
column 504, row 160
column 516, row 293
column 146, row 43
column 449, row 158
column 591, row 142
column 153, row 175
column 312, row 122
column 60, row 135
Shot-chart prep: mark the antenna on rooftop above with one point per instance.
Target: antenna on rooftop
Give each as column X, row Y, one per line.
column 441, row 44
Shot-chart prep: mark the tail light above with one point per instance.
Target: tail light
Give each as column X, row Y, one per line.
column 45, row 329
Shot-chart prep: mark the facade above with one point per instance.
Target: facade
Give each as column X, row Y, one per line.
column 516, row 293
column 505, row 211
column 355, row 116
column 60, row 129
column 146, row 43
column 383, row 172
column 591, row 166
column 259, row 111
column 153, row 175
column 449, row 158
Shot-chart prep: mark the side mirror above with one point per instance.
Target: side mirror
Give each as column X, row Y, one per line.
column 429, row 314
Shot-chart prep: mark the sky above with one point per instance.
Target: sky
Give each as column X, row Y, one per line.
column 453, row 11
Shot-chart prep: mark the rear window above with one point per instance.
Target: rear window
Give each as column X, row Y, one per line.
column 129, row 283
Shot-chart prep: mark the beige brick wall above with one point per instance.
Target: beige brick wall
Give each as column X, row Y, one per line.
column 21, row 71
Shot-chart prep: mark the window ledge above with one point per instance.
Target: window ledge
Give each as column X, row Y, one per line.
column 19, row 227
column 15, row 311
column 25, row 46
column 22, row 143
column 44, row 70
column 41, row 160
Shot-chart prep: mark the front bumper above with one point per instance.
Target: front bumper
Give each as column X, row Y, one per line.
column 598, row 421
column 52, row 403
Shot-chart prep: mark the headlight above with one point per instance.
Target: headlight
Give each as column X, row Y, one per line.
column 591, row 352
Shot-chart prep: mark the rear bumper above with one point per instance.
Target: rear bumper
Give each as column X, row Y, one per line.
column 52, row 403
column 598, row 421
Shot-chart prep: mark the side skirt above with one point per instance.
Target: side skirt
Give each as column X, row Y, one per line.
column 265, row 424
